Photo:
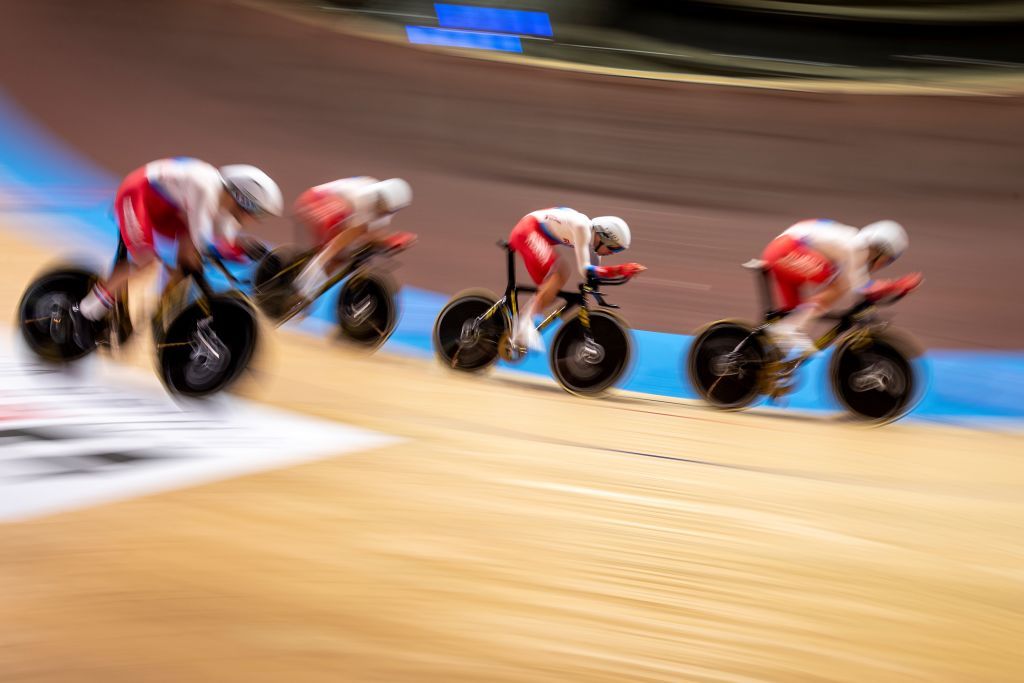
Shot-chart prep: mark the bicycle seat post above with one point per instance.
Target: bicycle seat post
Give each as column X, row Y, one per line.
column 200, row 281
column 121, row 255
column 765, row 285
column 511, row 258
column 766, row 292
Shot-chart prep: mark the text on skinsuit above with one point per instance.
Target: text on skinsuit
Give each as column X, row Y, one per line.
column 805, row 264
column 539, row 246
column 132, row 221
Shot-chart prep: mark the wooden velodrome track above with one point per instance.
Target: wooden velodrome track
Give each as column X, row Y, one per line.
column 518, row 533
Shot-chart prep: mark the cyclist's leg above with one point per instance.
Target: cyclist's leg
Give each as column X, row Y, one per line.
column 558, row 276
column 795, row 267
column 524, row 332
column 324, row 214
column 327, row 260
column 186, row 259
column 546, row 270
column 136, row 228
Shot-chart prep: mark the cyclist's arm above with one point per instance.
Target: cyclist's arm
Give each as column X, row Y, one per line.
column 838, row 245
column 232, row 245
column 201, row 210
column 854, row 272
column 581, row 237
column 380, row 222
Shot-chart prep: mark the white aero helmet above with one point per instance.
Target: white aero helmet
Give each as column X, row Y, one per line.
column 612, row 232
column 393, row 194
column 888, row 237
column 253, row 189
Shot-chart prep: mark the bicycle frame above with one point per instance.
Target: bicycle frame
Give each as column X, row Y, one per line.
column 119, row 315
column 508, row 304
column 778, row 371
column 357, row 262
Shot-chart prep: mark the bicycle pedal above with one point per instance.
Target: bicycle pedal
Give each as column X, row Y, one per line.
column 509, row 351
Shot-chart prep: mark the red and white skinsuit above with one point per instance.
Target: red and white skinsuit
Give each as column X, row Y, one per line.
column 175, row 199
column 539, row 232
column 535, row 238
column 812, row 255
column 330, row 208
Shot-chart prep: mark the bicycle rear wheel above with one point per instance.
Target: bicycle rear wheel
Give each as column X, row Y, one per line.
column 44, row 315
column 461, row 340
column 725, row 365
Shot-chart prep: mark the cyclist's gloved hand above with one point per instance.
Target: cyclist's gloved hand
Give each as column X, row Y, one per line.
column 883, row 289
column 908, row 283
column 878, row 289
column 621, row 270
column 399, row 241
column 631, row 269
column 255, row 249
column 236, row 253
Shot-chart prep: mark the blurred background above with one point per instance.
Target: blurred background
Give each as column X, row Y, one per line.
column 706, row 174
column 504, row 531
column 769, row 39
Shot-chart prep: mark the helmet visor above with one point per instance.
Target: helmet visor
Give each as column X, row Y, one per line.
column 248, row 204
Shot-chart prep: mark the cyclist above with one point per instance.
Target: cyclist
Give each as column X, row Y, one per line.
column 833, row 260
column 345, row 215
column 185, row 206
column 535, row 237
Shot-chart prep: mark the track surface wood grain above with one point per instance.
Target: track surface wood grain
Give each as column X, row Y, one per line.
column 511, row 539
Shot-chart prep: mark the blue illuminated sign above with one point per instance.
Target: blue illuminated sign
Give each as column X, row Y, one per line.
column 425, row 35
column 492, row 19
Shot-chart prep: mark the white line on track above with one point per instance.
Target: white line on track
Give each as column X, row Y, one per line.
column 754, row 519
column 689, row 56
column 622, row 49
column 960, row 60
column 780, row 59
column 374, row 11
